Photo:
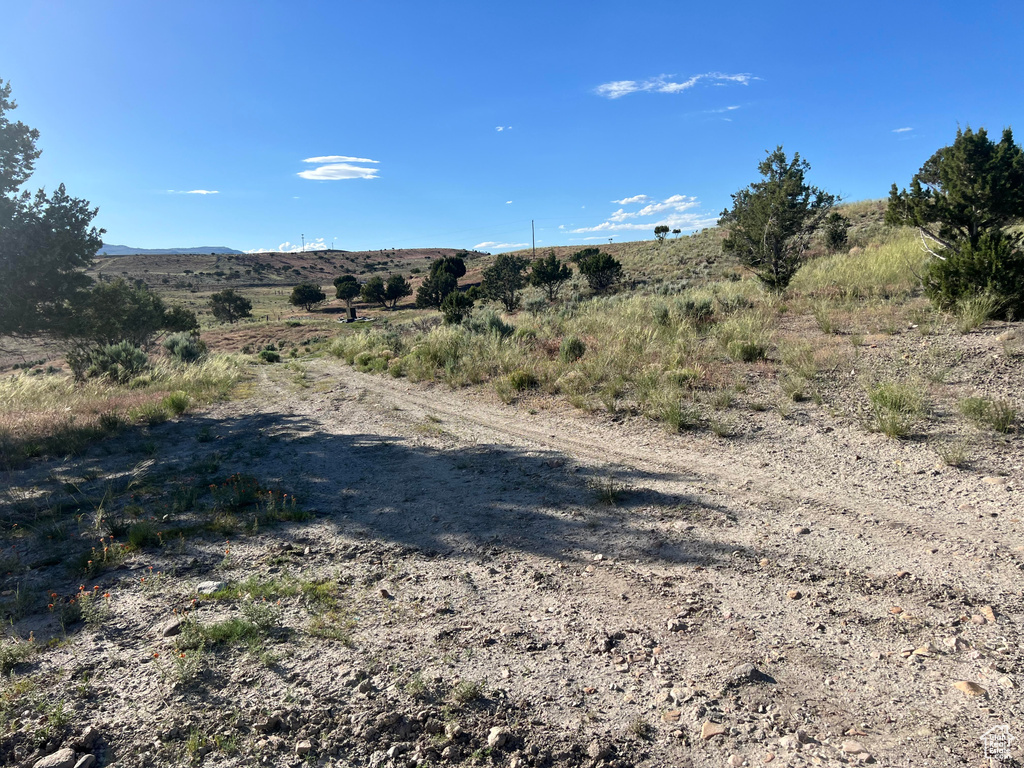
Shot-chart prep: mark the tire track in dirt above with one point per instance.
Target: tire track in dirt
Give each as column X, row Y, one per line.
column 917, row 533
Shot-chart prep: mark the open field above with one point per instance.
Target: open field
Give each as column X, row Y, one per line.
column 692, row 523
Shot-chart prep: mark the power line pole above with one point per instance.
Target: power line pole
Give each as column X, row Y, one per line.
column 533, row 234
column 303, row 243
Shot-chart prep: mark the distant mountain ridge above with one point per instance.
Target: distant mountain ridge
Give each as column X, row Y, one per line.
column 109, row 249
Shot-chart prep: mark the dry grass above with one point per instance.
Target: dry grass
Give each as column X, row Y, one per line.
column 47, row 415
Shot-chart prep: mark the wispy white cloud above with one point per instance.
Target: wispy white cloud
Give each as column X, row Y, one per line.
column 666, row 84
column 720, row 111
column 336, row 167
column 677, row 212
column 339, row 159
column 631, row 200
column 193, row 191
column 501, row 128
column 508, row 202
column 901, row 130
column 288, row 247
column 492, row 246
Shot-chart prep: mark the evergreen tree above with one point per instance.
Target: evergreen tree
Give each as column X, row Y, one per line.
column 46, row 242
column 442, row 280
column 963, row 190
column 229, row 306
column 549, row 273
column 837, row 229
column 504, row 280
column 601, row 270
column 346, row 288
column 307, row 296
column 771, row 220
column 962, row 201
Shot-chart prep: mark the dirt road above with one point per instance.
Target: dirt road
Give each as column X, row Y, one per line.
column 586, row 589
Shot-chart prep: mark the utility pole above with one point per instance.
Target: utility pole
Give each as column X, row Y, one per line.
column 303, row 243
column 533, row 234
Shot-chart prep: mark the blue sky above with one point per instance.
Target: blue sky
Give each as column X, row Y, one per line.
column 369, row 125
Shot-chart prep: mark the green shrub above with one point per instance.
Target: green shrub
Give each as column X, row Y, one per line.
column 119, row 362
column 572, row 349
column 521, row 380
column 489, row 322
column 184, row 347
column 994, row 267
column 456, row 307
column 698, row 311
column 746, row 350
column 270, row 356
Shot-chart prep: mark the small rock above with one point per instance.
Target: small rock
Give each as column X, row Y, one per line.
column 978, row 619
column 303, row 747
column 926, row 650
column 86, row 761
column 271, row 723
column 735, row 761
column 851, row 747
column 672, row 716
column 956, row 644
column 676, row 625
column 789, row 742
column 801, row 530
column 747, row 673
column 84, row 742
column 453, row 730
column 365, row 686
column 498, row 737
column 895, row 610
column 709, row 730
column 764, row 562
column 993, row 480
column 399, row 749
column 62, row 758
column 598, row 752
column 989, row 613
column 169, row 628
column 209, row 587
column 794, row 594
column 768, row 758
column 969, row 688
column 386, row 594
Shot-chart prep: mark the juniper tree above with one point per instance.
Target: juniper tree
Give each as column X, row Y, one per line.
column 771, row 221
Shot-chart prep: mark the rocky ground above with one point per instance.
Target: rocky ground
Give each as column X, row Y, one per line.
column 518, row 585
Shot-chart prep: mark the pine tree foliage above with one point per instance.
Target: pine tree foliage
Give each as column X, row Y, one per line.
column 772, row 220
column 46, row 241
column 963, row 201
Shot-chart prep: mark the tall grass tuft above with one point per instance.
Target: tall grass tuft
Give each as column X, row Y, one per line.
column 885, row 269
column 896, row 407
